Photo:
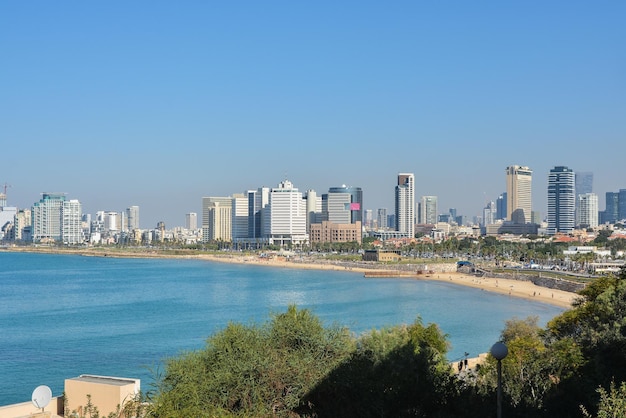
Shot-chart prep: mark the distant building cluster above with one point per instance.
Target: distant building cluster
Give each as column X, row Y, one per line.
column 286, row 217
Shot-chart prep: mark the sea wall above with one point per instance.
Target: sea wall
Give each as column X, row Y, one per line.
column 537, row 279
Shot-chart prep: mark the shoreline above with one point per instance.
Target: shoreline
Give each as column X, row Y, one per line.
column 514, row 288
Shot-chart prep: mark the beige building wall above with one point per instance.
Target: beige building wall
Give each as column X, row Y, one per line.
column 331, row 232
column 106, row 392
column 27, row 409
column 518, row 194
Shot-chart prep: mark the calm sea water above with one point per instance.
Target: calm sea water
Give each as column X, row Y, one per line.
column 63, row 315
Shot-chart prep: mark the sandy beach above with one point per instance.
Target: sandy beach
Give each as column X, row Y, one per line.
column 514, row 288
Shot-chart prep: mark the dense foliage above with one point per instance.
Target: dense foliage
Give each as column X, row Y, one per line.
column 294, row 366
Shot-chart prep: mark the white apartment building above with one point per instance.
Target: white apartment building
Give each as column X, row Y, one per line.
column 46, row 218
column 285, row 219
column 72, row 223
column 132, row 218
column 191, row 221
column 55, row 219
column 429, row 210
column 405, row 204
column 587, row 210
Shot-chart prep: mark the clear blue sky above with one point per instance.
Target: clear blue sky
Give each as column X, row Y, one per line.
column 159, row 103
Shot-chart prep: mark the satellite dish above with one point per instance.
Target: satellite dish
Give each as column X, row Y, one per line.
column 42, row 395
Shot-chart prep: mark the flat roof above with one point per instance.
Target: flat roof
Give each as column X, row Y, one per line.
column 105, row 380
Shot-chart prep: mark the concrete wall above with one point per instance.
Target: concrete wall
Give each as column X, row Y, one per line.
column 27, row 409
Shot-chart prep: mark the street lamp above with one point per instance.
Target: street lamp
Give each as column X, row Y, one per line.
column 499, row 352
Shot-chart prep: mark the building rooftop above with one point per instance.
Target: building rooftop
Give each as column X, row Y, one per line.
column 107, row 380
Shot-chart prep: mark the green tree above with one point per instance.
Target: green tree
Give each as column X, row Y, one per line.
column 253, row 370
column 612, row 402
column 394, row 372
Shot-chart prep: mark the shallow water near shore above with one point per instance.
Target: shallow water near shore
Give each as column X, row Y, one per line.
column 66, row 315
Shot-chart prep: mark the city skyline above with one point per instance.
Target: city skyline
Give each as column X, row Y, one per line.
column 160, row 105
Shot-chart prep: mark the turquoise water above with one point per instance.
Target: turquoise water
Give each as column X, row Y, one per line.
column 63, row 315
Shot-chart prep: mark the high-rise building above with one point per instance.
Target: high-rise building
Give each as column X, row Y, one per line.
column 611, row 213
column 519, row 194
column 46, row 222
column 381, row 218
column 132, row 218
column 501, row 206
column 216, row 218
column 191, row 221
column 56, row 219
column 489, row 214
column 561, row 200
column 355, row 202
column 621, row 204
column 584, row 185
column 23, row 219
column 336, row 208
column 285, row 221
column 112, row 222
column 313, row 209
column 368, row 217
column 587, row 210
column 405, row 204
column 71, row 222
column 258, row 201
column 240, row 216
column 584, row 182
column 428, row 210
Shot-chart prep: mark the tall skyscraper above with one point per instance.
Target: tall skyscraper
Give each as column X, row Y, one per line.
column 382, row 218
column 132, row 218
column 56, row 219
column 355, row 206
column 239, row 216
column 428, row 210
column 405, row 204
column 489, row 214
column 519, row 193
column 71, row 223
column 611, row 214
column 561, row 200
column 258, row 201
column 216, row 218
column 46, row 215
column 285, row 223
column 584, row 182
column 584, row 185
column 587, row 210
column 621, row 204
column 191, row 221
column 501, row 206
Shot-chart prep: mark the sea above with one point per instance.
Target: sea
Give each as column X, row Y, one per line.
column 66, row 315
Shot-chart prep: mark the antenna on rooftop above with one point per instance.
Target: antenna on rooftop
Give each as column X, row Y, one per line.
column 42, row 395
column 5, row 186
